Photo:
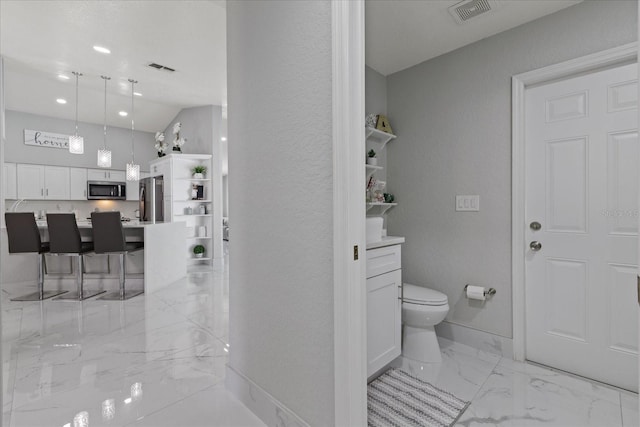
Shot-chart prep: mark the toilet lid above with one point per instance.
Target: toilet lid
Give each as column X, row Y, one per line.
column 420, row 295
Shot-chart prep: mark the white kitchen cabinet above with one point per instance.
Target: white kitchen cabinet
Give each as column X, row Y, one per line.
column 384, row 307
column 77, row 184
column 30, row 181
column 10, row 181
column 105, row 175
column 56, row 183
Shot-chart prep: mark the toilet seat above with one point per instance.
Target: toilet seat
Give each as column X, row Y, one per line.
column 419, row 295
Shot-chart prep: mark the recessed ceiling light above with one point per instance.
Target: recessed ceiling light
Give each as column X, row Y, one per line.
column 63, row 77
column 123, row 113
column 137, row 93
column 224, row 138
column 61, row 101
column 101, row 49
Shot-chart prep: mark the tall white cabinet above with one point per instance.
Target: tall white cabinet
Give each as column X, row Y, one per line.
column 179, row 204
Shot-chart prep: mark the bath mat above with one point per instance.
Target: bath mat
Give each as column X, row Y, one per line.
column 399, row 399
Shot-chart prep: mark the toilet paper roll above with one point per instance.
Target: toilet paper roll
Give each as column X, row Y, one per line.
column 476, row 292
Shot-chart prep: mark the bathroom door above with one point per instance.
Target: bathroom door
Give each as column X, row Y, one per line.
column 582, row 227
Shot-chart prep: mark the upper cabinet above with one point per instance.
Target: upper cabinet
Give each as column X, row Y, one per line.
column 10, row 181
column 30, row 181
column 77, row 184
column 56, row 183
column 105, row 175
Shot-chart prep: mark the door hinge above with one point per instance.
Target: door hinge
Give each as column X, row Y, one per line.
column 355, row 253
column 638, row 290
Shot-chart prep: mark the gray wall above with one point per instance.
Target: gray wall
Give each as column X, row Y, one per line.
column 198, row 127
column 452, row 116
column 118, row 141
column 280, row 192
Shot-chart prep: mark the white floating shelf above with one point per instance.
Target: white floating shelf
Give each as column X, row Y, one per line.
column 200, row 259
column 193, row 215
column 199, row 238
column 378, row 136
column 193, row 179
column 384, row 207
column 372, row 169
column 189, row 201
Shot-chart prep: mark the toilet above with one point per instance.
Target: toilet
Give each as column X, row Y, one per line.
column 422, row 309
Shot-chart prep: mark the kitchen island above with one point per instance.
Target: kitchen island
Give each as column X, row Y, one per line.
column 160, row 264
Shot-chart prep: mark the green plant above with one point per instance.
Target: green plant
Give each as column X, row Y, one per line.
column 199, row 169
column 371, row 153
column 198, row 249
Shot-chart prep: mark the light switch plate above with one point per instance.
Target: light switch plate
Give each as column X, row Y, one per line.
column 468, row 203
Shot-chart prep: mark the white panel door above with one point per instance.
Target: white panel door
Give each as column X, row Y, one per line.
column 30, row 181
column 77, row 184
column 56, row 183
column 582, row 188
column 10, row 181
column 384, row 325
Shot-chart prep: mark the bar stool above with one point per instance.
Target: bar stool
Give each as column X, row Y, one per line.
column 108, row 238
column 64, row 239
column 24, row 237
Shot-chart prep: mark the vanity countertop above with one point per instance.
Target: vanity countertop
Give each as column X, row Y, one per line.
column 386, row 241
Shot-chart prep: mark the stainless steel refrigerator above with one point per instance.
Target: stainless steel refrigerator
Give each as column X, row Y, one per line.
column 152, row 199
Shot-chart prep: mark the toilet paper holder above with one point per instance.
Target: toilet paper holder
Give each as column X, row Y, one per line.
column 487, row 293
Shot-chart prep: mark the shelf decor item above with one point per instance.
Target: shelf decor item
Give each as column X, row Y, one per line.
column 161, row 145
column 177, row 141
column 371, row 120
column 383, row 124
column 198, row 251
column 371, row 158
column 104, row 155
column 198, row 172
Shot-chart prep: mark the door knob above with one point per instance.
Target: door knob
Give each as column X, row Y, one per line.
column 535, row 246
column 535, row 226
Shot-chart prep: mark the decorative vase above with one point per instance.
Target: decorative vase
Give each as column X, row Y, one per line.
column 198, row 176
column 161, row 154
column 175, row 148
column 199, row 255
column 372, row 161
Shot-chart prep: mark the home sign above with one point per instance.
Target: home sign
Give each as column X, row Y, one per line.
column 46, row 139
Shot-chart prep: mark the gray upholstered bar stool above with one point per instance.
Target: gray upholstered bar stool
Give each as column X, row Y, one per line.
column 24, row 237
column 108, row 238
column 64, row 239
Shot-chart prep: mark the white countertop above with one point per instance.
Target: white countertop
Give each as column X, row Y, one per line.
column 386, row 241
column 125, row 224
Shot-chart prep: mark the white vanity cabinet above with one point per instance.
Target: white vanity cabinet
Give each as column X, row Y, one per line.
column 10, row 181
column 384, row 307
column 78, row 184
column 37, row 182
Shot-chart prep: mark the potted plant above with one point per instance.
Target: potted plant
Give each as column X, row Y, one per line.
column 198, row 172
column 371, row 158
column 198, row 251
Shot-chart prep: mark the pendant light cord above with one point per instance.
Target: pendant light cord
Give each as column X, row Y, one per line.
column 77, row 74
column 105, row 110
column 133, row 159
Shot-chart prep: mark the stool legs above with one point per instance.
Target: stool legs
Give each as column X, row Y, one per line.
column 41, row 294
column 80, row 294
column 122, row 293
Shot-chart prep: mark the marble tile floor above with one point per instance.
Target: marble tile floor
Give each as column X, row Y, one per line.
column 154, row 360
column 508, row 393
column 159, row 360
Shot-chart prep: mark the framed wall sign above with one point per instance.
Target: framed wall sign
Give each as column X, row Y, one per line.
column 46, row 139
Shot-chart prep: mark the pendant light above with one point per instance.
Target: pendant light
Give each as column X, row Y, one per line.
column 104, row 155
column 133, row 170
column 76, row 142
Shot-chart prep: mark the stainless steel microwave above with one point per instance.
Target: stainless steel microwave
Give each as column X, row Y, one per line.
column 104, row 190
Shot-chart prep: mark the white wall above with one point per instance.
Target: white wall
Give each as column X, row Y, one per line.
column 280, row 195
column 452, row 116
column 118, row 141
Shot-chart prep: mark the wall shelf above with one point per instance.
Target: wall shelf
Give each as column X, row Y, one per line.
column 378, row 136
column 193, row 179
column 383, row 207
column 192, row 201
column 193, row 215
column 372, row 169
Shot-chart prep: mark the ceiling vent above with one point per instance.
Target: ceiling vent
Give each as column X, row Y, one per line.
column 469, row 9
column 161, row 67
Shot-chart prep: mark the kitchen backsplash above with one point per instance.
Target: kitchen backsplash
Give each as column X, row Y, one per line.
column 83, row 208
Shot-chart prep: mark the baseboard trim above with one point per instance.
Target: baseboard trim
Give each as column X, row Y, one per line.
column 481, row 340
column 266, row 407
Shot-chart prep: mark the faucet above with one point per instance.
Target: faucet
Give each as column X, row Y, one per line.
column 15, row 205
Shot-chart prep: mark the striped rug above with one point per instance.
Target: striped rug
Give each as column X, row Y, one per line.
column 399, row 399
